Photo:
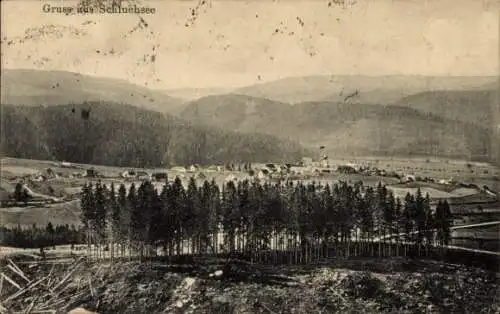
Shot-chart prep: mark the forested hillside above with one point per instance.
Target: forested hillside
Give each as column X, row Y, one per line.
column 124, row 135
column 469, row 106
column 346, row 128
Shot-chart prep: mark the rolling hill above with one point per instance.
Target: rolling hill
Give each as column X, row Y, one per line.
column 195, row 93
column 473, row 106
column 370, row 89
column 354, row 129
column 124, row 135
column 36, row 87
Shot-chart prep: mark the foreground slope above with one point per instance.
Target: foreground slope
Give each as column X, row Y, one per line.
column 123, row 135
column 350, row 286
column 353, row 129
column 36, row 87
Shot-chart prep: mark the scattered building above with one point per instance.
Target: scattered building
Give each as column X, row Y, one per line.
column 212, row 169
column 408, row 178
column 129, row 174
column 143, row 175
column 77, row 174
column 179, row 169
column 91, row 173
column 194, row 168
column 346, row 169
column 39, row 178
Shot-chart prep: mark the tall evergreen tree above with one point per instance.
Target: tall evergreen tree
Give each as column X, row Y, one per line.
column 429, row 221
column 420, row 217
column 100, row 216
column 447, row 222
column 191, row 207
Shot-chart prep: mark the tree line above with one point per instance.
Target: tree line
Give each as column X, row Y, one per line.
column 39, row 236
column 284, row 222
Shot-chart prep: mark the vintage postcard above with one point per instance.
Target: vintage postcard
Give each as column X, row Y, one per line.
column 260, row 156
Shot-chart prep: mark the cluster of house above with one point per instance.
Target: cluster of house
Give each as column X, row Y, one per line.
column 49, row 173
column 43, row 175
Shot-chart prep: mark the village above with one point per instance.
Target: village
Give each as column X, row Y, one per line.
column 320, row 169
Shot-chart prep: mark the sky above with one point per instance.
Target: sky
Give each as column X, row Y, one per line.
column 234, row 43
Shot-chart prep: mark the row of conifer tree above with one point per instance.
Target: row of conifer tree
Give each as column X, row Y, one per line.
column 294, row 221
column 39, row 236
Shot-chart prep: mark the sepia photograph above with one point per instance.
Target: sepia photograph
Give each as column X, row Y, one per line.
column 250, row 156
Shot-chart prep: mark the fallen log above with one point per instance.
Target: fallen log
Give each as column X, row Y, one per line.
column 17, row 270
column 66, row 277
column 19, row 274
column 11, row 281
column 30, row 307
column 29, row 287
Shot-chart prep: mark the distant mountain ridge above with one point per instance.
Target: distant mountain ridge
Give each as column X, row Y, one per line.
column 358, row 88
column 37, row 87
column 124, row 135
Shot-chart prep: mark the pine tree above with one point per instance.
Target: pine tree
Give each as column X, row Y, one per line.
column 204, row 215
column 190, row 221
column 140, row 217
column 407, row 218
column 447, row 222
column 366, row 216
column 100, row 216
column 231, row 216
column 215, row 216
column 155, row 232
column 166, row 224
column 114, row 219
column 429, row 222
column 121, row 218
column 177, row 211
column 389, row 217
column 131, row 207
column 439, row 222
column 420, row 218
column 50, row 234
column 398, row 228
column 380, row 209
column 245, row 212
column 19, row 193
column 88, row 214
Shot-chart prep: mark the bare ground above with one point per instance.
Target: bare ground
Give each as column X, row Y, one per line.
column 350, row 286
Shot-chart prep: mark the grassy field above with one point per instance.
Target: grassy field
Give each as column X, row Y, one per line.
column 472, row 172
column 57, row 214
